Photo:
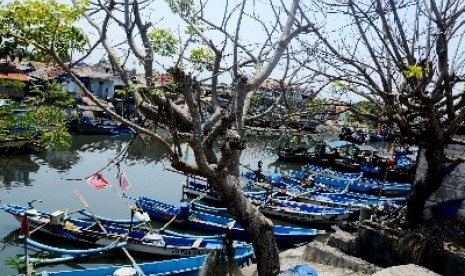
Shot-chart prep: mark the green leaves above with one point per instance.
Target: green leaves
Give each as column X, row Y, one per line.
column 184, row 7
column 201, row 59
column 43, row 25
column 340, row 85
column 316, row 105
column 43, row 121
column 414, row 71
column 15, row 263
column 57, row 137
column 12, row 84
column 163, row 42
column 53, row 94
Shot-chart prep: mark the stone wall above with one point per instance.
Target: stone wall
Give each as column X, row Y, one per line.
column 453, row 187
column 383, row 247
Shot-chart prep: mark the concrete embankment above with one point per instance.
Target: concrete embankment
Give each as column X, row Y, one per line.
column 330, row 261
column 326, row 260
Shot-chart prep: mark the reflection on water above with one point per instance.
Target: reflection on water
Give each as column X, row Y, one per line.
column 15, row 170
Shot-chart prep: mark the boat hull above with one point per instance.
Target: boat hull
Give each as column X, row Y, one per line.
column 180, row 267
column 138, row 240
column 160, row 211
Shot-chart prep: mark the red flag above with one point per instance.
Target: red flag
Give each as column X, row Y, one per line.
column 97, row 181
column 25, row 226
column 123, row 181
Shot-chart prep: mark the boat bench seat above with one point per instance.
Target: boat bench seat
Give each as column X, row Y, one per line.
column 197, row 243
column 97, row 227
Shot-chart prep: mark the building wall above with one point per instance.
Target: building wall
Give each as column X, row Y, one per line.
column 102, row 88
column 71, row 87
column 453, row 186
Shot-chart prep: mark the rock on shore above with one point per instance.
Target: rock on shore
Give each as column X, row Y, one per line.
column 329, row 261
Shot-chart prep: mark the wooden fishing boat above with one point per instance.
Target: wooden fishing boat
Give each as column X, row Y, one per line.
column 370, row 200
column 181, row 267
column 301, row 212
column 303, row 149
column 273, row 182
column 313, row 170
column 92, row 120
column 141, row 224
column 199, row 189
column 352, row 201
column 332, row 197
column 363, row 185
column 66, row 254
column 183, row 215
column 138, row 239
column 137, row 218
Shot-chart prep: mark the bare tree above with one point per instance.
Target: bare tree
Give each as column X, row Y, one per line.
column 406, row 57
column 217, row 141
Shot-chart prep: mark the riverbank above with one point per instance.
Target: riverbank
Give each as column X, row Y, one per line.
column 329, row 261
column 326, row 260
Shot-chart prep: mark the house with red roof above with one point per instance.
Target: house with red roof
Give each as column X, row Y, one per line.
column 13, row 82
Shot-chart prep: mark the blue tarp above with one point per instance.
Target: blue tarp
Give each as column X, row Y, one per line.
column 299, row 270
column 337, row 144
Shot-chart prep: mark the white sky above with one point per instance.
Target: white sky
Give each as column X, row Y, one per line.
column 251, row 32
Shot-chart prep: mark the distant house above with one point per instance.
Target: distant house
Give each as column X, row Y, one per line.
column 271, row 89
column 40, row 73
column 13, row 82
column 99, row 80
column 336, row 110
column 162, row 79
column 100, row 84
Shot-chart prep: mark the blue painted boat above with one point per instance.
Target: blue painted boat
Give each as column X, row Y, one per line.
column 364, row 185
column 297, row 212
column 180, row 267
column 102, row 128
column 138, row 218
column 140, row 223
column 92, row 120
column 200, row 189
column 64, row 251
column 386, row 188
column 138, row 239
column 196, row 188
column 311, row 169
column 274, row 181
column 335, row 198
column 67, row 254
column 183, row 215
column 369, row 200
column 301, row 212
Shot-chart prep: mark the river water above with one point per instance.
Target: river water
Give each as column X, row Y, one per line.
column 55, row 176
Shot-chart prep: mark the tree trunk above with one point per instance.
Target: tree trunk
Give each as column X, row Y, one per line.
column 254, row 222
column 427, row 185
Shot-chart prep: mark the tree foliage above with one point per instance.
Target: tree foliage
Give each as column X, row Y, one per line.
column 44, row 26
column 406, row 58
column 202, row 59
column 41, row 119
column 216, row 44
column 163, row 41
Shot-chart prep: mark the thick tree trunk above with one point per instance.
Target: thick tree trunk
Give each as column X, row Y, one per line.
column 427, row 185
column 253, row 221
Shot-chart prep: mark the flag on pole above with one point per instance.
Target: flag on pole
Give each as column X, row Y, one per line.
column 123, row 181
column 98, row 181
column 24, row 226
